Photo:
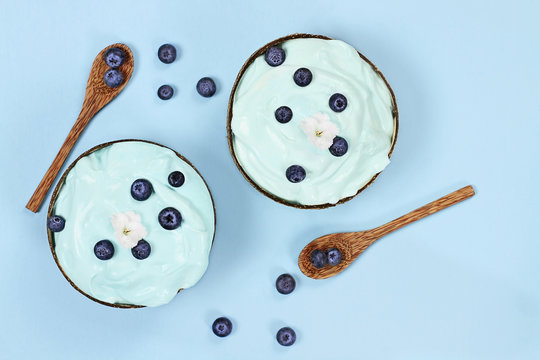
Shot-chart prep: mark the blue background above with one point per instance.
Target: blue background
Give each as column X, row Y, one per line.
column 462, row 284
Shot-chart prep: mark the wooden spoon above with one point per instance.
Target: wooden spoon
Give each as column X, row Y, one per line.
column 96, row 97
column 352, row 244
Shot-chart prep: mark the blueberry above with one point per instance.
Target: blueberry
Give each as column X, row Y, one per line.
column 176, row 179
column 104, row 250
column 56, row 223
column 165, row 92
column 274, row 56
column 114, row 57
column 141, row 189
column 283, row 114
column 286, row 336
column 142, row 250
column 285, row 284
column 167, row 53
column 302, row 77
column 334, row 256
column 339, row 147
column 295, row 173
column 337, row 102
column 222, row 327
column 169, row 218
column 113, row 78
column 206, row 87
column 318, row 258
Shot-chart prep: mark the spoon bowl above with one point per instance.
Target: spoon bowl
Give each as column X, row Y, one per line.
column 96, row 85
column 352, row 244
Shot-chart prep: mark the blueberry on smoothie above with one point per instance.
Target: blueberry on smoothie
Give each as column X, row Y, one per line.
column 169, row 218
column 274, row 56
column 337, row 102
column 141, row 189
column 176, row 179
column 56, row 223
column 295, row 173
column 302, row 77
column 104, row 250
column 142, row 250
column 283, row 114
column 339, row 146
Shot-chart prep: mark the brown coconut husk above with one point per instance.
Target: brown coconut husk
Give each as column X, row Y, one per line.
column 56, row 191
column 248, row 62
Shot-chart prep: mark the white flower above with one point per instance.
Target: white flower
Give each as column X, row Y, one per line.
column 320, row 130
column 128, row 229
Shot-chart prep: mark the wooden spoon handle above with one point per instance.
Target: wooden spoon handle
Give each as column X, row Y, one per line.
column 422, row 212
column 41, row 191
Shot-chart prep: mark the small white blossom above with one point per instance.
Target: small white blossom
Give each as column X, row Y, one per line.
column 320, row 130
column 128, row 229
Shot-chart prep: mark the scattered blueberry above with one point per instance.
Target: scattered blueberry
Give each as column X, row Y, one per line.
column 104, row 250
column 334, row 256
column 142, row 250
column 167, row 53
column 165, row 92
column 114, row 57
column 337, row 102
column 274, row 56
column 206, row 87
column 222, row 327
column 295, row 173
column 283, row 114
column 176, row 179
column 286, row 336
column 56, row 223
column 285, row 284
column 141, row 189
column 302, row 77
column 339, row 147
column 318, row 258
column 169, row 218
column 113, row 78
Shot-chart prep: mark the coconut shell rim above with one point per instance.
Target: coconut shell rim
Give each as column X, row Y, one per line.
column 50, row 234
column 243, row 69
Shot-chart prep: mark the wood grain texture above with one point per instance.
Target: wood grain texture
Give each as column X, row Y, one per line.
column 58, row 188
column 97, row 95
column 230, row 134
column 352, row 244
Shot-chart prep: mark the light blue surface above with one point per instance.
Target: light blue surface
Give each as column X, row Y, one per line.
column 462, row 284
